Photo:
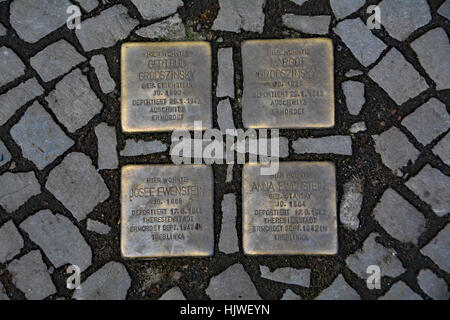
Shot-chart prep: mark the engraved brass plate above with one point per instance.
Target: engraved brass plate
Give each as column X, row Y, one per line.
column 291, row 212
column 167, row 211
column 166, row 86
column 288, row 83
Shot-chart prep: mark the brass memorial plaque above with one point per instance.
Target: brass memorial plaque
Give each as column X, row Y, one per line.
column 288, row 83
column 167, row 211
column 166, row 86
column 291, row 212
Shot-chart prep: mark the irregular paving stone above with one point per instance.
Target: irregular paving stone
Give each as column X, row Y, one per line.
column 442, row 149
column 5, row 156
column 332, row 144
column 428, row 121
column 351, row 203
column 299, row 2
column 153, row 9
column 11, row 67
column 283, row 148
column 400, row 291
column 353, row 73
column 444, row 9
column 307, row 24
column 171, row 29
column 287, row 275
column 290, row 295
column 55, row 60
column 106, row 29
column 354, row 96
column 399, row 218
column 31, row 276
column 17, row 188
column 362, row 43
column 141, row 147
column 433, row 187
column 343, row 8
column 358, row 127
column 432, row 50
column 59, row 238
column 33, row 22
column 398, row 77
column 73, row 101
column 232, row 284
column 107, row 84
column 110, row 282
column 432, row 285
column 229, row 177
column 3, row 296
column 77, row 185
column 225, row 84
column 39, row 137
column 173, row 294
column 395, row 149
column 107, row 144
column 3, row 30
column 10, row 241
column 228, row 242
column 15, row 98
column 225, row 116
column 400, row 18
column 235, row 15
column 88, row 5
column 437, row 249
column 97, row 226
column 339, row 290
column 373, row 253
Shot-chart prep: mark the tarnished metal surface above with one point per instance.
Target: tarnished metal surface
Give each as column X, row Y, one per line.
column 165, row 86
column 167, row 211
column 292, row 212
column 288, row 83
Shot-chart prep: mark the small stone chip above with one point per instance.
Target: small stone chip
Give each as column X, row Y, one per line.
column 354, row 96
column 107, row 144
column 55, row 60
column 358, row 127
column 287, row 275
column 442, row 149
column 15, row 98
column 100, row 65
column 332, row 144
column 400, row 291
column 290, row 295
column 106, row 29
column 46, row 229
column 225, row 83
column 344, row 8
column 433, row 187
column 77, row 185
column 228, row 242
column 437, row 249
column 399, row 218
column 237, row 15
column 31, row 276
column 433, row 50
column 173, row 294
column 395, row 150
column 39, row 137
column 339, row 290
column 307, row 24
column 232, row 284
column 11, row 67
column 171, row 29
column 154, row 9
column 432, row 285
column 97, row 226
column 398, row 77
column 110, row 282
column 364, row 45
column 373, row 253
column 11, row 242
column 73, row 101
column 351, row 203
column 17, row 188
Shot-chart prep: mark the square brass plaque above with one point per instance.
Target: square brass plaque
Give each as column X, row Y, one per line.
column 288, row 83
column 167, row 211
column 166, row 86
column 291, row 212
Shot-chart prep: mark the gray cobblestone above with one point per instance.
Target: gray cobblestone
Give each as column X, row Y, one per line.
column 17, row 188
column 332, row 144
column 171, row 29
column 225, row 83
column 154, row 9
column 437, row 249
column 97, row 226
column 351, row 203
column 442, row 149
column 228, row 241
column 11, row 67
column 432, row 285
column 354, row 96
column 339, row 290
column 343, row 8
column 11, row 242
column 141, row 147
column 107, row 144
column 400, row 291
column 173, row 294
column 235, row 15
column 307, row 24
column 299, row 277
column 107, row 83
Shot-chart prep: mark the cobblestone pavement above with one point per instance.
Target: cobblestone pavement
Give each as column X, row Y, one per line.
column 61, row 147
